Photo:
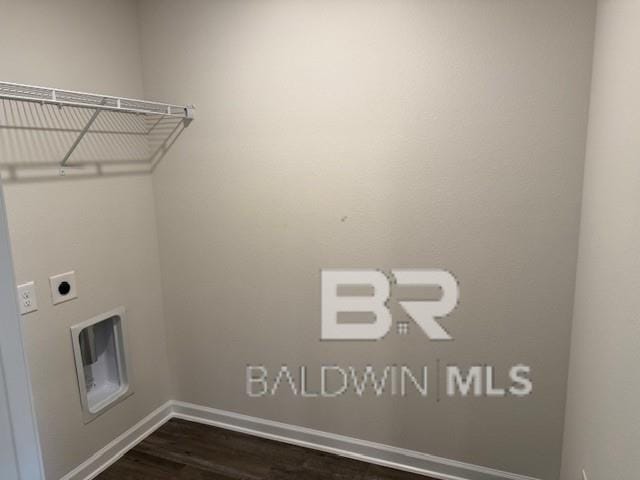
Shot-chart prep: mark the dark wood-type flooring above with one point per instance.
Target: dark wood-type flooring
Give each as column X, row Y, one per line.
column 182, row 450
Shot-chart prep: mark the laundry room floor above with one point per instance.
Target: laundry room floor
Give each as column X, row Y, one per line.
column 182, row 450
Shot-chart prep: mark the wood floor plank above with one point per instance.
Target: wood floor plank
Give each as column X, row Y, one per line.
column 182, row 450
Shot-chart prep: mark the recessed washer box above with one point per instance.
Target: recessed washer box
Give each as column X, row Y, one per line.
column 99, row 347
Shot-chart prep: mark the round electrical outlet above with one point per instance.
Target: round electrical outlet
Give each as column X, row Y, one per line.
column 64, row 288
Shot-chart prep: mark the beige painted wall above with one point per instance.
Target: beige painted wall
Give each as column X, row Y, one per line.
column 8, row 464
column 603, row 426
column 343, row 134
column 103, row 228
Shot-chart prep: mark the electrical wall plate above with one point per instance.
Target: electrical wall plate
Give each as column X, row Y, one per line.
column 63, row 287
column 27, row 298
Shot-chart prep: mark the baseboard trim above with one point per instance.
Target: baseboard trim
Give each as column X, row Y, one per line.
column 114, row 450
column 371, row 452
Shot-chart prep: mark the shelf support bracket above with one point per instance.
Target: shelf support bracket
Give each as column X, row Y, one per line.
column 80, row 137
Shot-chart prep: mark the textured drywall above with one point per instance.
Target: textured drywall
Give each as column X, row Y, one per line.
column 8, row 465
column 103, row 228
column 8, row 458
column 373, row 134
column 602, row 433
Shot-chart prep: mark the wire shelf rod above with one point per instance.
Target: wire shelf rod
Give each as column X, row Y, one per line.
column 70, row 98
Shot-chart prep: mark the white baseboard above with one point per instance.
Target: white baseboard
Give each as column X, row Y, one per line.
column 114, row 450
column 376, row 453
column 385, row 455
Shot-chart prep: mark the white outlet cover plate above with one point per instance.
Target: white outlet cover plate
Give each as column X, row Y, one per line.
column 56, row 280
column 27, row 298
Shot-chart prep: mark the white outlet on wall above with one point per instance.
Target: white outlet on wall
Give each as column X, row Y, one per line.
column 63, row 287
column 27, row 298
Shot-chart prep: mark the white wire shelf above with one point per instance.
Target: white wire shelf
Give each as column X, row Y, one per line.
column 157, row 124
